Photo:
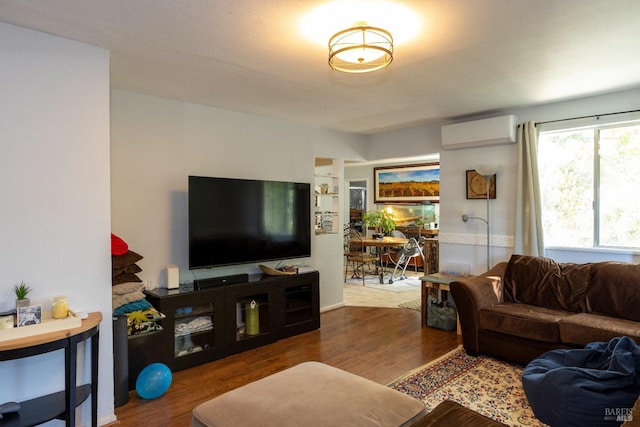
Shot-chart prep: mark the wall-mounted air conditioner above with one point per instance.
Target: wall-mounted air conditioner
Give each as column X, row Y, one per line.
column 497, row 130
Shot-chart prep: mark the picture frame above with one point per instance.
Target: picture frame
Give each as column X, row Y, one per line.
column 29, row 315
column 407, row 183
column 477, row 186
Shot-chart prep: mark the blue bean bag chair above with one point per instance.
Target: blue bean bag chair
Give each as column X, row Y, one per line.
column 594, row 386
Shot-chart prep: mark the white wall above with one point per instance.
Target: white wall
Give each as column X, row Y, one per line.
column 157, row 143
column 465, row 242
column 54, row 181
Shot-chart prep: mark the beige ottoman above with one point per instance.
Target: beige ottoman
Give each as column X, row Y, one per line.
column 310, row 394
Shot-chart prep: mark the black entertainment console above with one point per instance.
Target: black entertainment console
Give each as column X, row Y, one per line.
column 209, row 323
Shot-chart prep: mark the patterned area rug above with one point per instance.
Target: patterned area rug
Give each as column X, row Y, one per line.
column 488, row 386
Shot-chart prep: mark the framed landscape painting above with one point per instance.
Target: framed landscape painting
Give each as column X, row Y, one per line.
column 407, row 183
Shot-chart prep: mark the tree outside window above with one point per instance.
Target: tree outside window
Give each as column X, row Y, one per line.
column 590, row 186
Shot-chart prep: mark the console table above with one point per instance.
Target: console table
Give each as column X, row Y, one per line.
column 60, row 405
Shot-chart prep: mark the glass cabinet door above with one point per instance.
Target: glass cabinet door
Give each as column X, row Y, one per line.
column 194, row 329
column 298, row 304
column 252, row 316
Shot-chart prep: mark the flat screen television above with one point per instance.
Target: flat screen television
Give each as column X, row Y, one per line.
column 237, row 221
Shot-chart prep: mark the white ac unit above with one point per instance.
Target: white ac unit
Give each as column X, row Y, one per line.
column 478, row 133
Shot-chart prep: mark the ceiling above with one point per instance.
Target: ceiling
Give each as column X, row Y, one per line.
column 470, row 57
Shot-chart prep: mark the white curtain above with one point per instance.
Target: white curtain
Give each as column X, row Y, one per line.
column 528, row 235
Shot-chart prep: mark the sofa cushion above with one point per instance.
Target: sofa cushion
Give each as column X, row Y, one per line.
column 523, row 320
column 615, row 290
column 546, row 283
column 583, row 328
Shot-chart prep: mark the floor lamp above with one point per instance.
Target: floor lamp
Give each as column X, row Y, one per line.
column 487, row 171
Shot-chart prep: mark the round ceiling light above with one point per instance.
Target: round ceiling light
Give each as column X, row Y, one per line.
column 361, row 49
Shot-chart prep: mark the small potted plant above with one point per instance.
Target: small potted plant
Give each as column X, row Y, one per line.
column 382, row 221
column 22, row 290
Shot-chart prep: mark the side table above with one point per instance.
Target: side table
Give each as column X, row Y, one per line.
column 62, row 404
column 435, row 281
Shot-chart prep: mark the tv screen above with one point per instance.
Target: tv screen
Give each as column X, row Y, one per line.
column 236, row 221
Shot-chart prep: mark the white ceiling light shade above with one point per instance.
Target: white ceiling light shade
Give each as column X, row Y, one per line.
column 360, row 49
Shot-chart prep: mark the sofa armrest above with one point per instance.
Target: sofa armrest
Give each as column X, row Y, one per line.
column 470, row 294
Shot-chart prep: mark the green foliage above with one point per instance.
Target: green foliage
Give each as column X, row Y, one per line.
column 380, row 220
column 21, row 290
column 588, row 178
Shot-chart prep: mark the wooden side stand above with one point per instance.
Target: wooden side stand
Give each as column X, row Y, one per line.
column 435, row 281
column 60, row 405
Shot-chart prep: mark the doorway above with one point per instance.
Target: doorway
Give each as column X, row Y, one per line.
column 357, row 203
column 358, row 181
column 354, row 293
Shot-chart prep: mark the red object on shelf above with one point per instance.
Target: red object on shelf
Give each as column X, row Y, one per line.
column 118, row 246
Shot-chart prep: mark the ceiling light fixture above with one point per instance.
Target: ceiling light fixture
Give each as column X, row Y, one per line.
column 360, row 49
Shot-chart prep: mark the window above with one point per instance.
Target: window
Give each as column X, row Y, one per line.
column 590, row 186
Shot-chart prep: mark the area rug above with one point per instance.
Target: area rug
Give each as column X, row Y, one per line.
column 414, row 304
column 485, row 385
column 408, row 284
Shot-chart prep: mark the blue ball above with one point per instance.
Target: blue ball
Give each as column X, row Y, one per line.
column 153, row 381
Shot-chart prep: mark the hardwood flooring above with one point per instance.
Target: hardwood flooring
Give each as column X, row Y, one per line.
column 377, row 343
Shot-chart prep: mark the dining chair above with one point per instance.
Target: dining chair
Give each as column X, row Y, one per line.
column 397, row 233
column 357, row 256
column 412, row 230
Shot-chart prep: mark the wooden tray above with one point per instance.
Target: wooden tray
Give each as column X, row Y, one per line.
column 273, row 272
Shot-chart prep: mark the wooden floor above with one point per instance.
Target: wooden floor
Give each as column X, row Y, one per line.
column 377, row 343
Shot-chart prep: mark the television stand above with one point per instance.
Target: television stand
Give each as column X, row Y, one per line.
column 208, row 324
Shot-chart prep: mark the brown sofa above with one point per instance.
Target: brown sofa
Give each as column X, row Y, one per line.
column 518, row 310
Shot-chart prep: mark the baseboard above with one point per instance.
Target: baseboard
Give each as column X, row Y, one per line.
column 109, row 421
column 331, row 307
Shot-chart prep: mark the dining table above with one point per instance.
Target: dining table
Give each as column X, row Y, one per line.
column 387, row 242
